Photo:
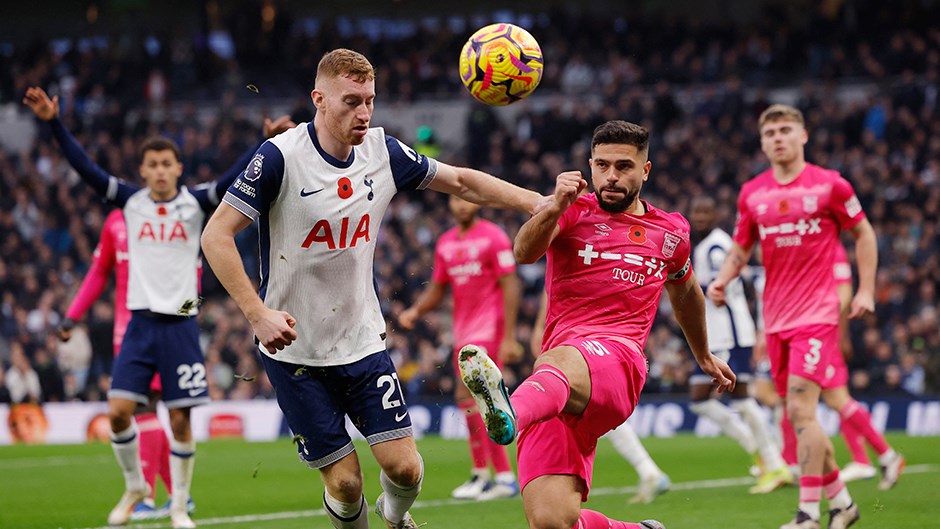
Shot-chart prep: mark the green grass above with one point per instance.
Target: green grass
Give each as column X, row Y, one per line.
column 75, row 487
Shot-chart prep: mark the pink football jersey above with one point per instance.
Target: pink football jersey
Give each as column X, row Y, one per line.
column 110, row 254
column 798, row 226
column 606, row 271
column 472, row 263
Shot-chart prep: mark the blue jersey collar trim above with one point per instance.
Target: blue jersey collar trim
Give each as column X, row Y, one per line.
column 326, row 156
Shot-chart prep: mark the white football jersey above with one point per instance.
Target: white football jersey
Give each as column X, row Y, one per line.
column 162, row 237
column 163, row 243
column 319, row 220
column 732, row 325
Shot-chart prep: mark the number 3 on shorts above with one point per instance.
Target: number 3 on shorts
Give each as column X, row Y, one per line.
column 812, row 357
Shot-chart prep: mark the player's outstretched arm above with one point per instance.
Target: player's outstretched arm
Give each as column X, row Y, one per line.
column 104, row 184
column 731, row 268
column 485, row 189
column 866, row 253
column 510, row 350
column 429, row 299
column 93, row 284
column 688, row 305
column 537, row 233
column 274, row 328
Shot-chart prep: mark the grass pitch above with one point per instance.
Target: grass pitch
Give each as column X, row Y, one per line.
column 262, row 485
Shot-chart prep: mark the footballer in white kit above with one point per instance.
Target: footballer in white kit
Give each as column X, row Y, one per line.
column 319, row 219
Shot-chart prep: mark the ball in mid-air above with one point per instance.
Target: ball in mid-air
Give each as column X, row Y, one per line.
column 501, row 64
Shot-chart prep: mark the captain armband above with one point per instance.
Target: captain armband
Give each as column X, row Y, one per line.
column 681, row 273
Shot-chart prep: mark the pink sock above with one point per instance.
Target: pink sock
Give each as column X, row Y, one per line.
column 542, row 396
column 788, row 451
column 477, row 431
column 811, row 488
column 854, row 414
column 498, row 455
column 853, row 441
column 150, row 443
column 596, row 520
column 165, row 463
column 832, row 484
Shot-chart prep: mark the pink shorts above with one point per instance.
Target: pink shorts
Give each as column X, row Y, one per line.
column 811, row 352
column 566, row 443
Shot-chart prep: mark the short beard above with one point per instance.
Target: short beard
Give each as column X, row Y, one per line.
column 618, row 206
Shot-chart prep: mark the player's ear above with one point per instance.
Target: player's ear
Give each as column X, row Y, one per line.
column 317, row 97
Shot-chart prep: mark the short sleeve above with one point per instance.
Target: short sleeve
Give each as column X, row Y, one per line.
column 745, row 228
column 679, row 268
column 505, row 262
column 845, row 205
column 259, row 184
column 410, row 170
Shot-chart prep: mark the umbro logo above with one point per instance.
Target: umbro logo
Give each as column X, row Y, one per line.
column 304, row 193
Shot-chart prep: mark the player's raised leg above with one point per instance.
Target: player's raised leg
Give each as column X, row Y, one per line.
column 485, row 382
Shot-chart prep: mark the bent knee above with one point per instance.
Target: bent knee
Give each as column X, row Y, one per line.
column 405, row 474
column 346, row 488
column 549, row 518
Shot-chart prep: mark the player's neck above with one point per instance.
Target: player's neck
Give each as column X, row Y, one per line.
column 163, row 197
column 330, row 145
column 784, row 173
column 467, row 226
column 638, row 208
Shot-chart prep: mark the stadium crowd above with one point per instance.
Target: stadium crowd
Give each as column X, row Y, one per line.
column 887, row 143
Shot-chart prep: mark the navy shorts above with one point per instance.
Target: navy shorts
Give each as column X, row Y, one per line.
column 739, row 360
column 169, row 345
column 316, row 401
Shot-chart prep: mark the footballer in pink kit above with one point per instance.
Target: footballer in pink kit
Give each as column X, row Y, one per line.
column 475, row 259
column 610, row 255
column 796, row 211
column 855, row 423
column 111, row 255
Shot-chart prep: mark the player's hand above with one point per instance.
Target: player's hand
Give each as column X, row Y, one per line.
column 274, row 329
column 407, row 318
column 568, row 186
column 64, row 332
column 510, row 351
column 38, row 101
column 716, row 293
column 863, row 304
column 721, row 374
column 279, row 125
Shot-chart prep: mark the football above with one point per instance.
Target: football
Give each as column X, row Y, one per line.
column 501, row 64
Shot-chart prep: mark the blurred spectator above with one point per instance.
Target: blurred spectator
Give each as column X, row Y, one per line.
column 5, row 397
column 21, row 379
